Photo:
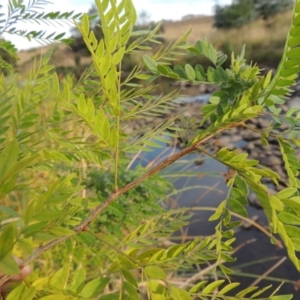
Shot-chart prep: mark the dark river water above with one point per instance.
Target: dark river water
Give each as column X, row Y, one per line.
column 202, row 186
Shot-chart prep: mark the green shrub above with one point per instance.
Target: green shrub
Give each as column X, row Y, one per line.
column 241, row 12
column 91, row 226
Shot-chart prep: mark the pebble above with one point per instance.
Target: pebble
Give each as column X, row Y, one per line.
column 263, row 123
column 253, row 201
column 268, row 156
column 271, row 161
column 251, row 136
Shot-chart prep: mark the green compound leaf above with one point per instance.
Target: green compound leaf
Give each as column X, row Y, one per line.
column 7, row 241
column 190, row 73
column 56, row 297
column 129, row 277
column 155, row 272
column 16, row 293
column 200, row 73
column 150, row 63
column 180, row 294
column 212, row 286
column 78, row 280
column 237, row 207
column 94, row 287
column 228, row 288
column 28, row 293
column 110, row 297
column 9, row 266
column 8, row 156
column 288, row 218
column 131, row 290
column 283, row 297
column 59, row 280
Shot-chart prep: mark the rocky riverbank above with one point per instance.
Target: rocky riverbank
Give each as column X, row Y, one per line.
column 246, row 139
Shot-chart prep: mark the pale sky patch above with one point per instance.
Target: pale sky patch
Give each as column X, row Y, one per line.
column 156, row 9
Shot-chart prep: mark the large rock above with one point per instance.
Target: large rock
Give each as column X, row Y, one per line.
column 229, row 139
column 280, row 170
column 263, row 123
column 253, row 201
column 271, row 160
column 294, row 102
column 187, row 114
column 251, row 136
column 250, row 146
column 284, row 127
column 272, row 140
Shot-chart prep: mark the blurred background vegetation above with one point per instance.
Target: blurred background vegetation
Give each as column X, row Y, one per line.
column 261, row 25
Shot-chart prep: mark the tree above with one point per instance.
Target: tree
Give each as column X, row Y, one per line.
column 268, row 8
column 241, row 12
column 53, row 135
column 237, row 14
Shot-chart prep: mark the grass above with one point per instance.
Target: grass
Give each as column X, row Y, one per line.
column 264, row 41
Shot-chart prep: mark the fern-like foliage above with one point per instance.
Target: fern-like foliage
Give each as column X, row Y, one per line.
column 245, row 94
column 6, row 105
column 20, row 12
column 56, row 131
column 277, row 92
column 287, row 72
